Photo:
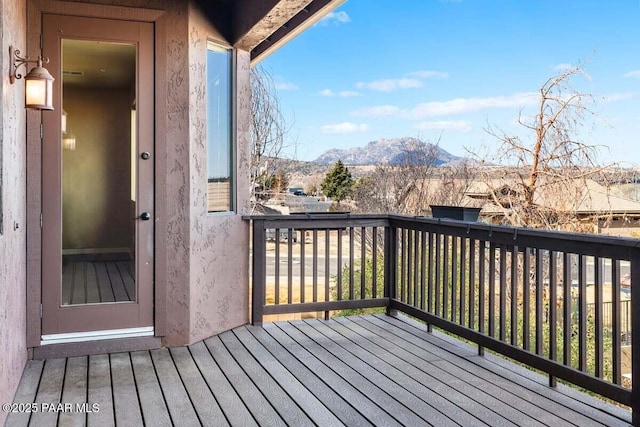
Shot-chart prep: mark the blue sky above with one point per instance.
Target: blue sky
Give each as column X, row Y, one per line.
column 448, row 69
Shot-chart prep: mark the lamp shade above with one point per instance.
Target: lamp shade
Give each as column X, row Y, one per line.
column 69, row 141
column 38, row 92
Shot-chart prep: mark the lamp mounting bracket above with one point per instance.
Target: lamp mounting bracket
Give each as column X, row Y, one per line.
column 15, row 61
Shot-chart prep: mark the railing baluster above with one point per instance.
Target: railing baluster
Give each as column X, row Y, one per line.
column 302, row 265
column 445, row 276
column 416, row 269
column 492, row 290
column 514, row 296
column 582, row 313
column 599, row 344
column 463, row 279
column 339, row 264
column 481, row 292
column 635, row 339
column 363, row 262
column 539, row 300
column 409, row 276
column 374, row 262
column 351, row 262
column 390, row 263
column 277, row 268
column 503, row 293
column 553, row 300
column 438, row 274
column 423, row 269
column 616, row 331
column 472, row 283
column 526, row 299
column 454, row 278
column 315, row 265
column 327, row 268
column 430, row 272
column 403, row 260
column 290, row 266
column 566, row 304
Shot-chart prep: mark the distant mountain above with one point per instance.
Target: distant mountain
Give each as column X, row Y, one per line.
column 392, row 151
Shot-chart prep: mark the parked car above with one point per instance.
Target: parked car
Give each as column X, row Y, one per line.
column 299, row 193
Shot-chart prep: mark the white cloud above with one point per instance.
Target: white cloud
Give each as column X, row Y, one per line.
column 336, row 18
column 341, row 94
column 377, row 111
column 563, row 67
column 282, row 85
column 450, row 125
column 633, row 74
column 470, row 105
column 411, row 80
column 348, row 93
column 389, row 85
column 344, row 128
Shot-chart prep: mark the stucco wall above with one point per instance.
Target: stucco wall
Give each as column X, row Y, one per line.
column 13, row 352
column 219, row 243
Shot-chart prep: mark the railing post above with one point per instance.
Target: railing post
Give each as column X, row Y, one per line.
column 390, row 264
column 635, row 336
column 259, row 268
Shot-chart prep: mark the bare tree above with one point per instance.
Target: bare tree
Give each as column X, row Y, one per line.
column 546, row 180
column 413, row 182
column 268, row 130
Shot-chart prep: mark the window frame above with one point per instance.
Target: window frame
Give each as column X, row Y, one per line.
column 232, row 123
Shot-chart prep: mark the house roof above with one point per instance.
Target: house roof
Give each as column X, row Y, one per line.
column 584, row 197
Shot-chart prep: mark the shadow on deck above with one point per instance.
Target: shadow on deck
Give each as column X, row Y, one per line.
column 364, row 370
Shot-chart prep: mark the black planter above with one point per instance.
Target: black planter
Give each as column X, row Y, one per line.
column 455, row 212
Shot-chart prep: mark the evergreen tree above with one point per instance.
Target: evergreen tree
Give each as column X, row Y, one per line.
column 338, row 182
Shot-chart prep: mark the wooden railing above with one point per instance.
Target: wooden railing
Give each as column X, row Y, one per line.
column 550, row 300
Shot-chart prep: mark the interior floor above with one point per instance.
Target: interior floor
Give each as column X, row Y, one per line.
column 90, row 281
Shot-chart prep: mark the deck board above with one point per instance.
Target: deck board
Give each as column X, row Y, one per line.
column 203, row 401
column 125, row 396
column 355, row 371
column 26, row 392
column 49, row 392
column 595, row 410
column 152, row 403
column 176, row 397
column 75, row 392
column 90, row 282
column 99, row 392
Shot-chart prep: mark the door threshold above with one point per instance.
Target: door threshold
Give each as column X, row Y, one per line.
column 73, row 337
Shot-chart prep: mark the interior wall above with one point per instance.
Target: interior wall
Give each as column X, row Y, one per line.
column 13, row 350
column 219, row 244
column 97, row 174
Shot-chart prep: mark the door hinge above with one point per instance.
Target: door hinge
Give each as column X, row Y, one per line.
column 41, row 220
column 41, row 311
column 41, row 42
column 41, row 131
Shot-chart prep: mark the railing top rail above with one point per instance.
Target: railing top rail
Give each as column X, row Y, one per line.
column 526, row 237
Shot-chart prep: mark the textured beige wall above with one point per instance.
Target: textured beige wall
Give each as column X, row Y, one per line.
column 96, row 190
column 13, row 351
column 219, row 243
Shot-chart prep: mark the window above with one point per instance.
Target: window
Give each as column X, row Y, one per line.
column 220, row 170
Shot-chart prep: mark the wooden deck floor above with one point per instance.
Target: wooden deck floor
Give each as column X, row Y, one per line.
column 369, row 370
column 90, row 282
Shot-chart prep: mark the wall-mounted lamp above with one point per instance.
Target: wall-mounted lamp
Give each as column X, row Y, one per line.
column 38, row 83
column 69, row 141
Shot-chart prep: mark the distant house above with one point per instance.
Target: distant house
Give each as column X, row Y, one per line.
column 592, row 204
